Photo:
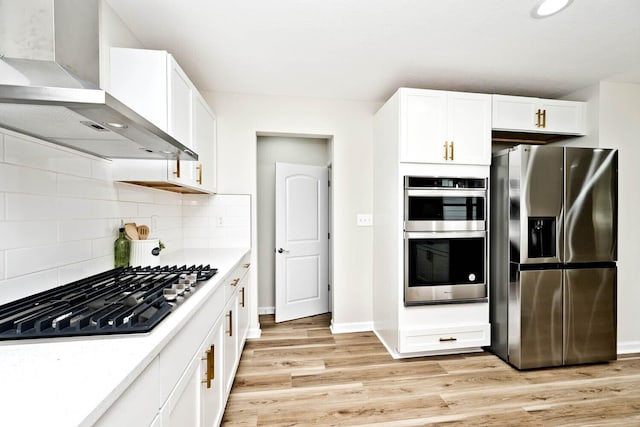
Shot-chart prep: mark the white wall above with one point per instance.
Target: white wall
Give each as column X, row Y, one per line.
column 620, row 128
column 272, row 149
column 614, row 122
column 241, row 117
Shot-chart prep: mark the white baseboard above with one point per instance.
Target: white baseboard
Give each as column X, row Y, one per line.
column 345, row 328
column 266, row 310
column 254, row 333
column 629, row 347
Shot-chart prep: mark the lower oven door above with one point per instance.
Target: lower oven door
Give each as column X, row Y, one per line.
column 445, row 267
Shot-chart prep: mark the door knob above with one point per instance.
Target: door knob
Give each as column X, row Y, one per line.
column 280, row 251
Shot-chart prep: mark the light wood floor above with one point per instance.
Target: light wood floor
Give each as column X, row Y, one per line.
column 298, row 373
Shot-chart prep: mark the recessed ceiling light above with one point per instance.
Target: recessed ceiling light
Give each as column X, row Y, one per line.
column 547, row 8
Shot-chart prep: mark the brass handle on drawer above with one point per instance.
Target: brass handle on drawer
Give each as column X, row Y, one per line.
column 544, row 119
column 242, row 302
column 199, row 168
column 448, row 339
column 230, row 316
column 451, row 146
column 235, row 282
column 246, row 265
column 446, row 150
column 177, row 171
column 210, row 366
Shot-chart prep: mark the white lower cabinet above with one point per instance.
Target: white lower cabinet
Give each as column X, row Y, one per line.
column 189, row 382
column 230, row 342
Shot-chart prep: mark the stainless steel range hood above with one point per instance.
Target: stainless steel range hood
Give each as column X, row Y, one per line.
column 49, row 74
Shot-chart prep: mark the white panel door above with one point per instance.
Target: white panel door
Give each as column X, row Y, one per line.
column 302, row 241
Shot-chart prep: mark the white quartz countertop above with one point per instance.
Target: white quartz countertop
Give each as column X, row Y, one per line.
column 72, row 381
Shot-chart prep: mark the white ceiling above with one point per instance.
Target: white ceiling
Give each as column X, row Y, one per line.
column 366, row 49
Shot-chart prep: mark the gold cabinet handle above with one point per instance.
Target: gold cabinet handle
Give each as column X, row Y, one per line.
column 210, row 358
column 235, row 282
column 242, row 302
column 448, row 339
column 539, row 118
column 177, row 171
column 446, row 150
column 199, row 168
column 246, row 265
column 230, row 316
column 544, row 119
column 451, row 147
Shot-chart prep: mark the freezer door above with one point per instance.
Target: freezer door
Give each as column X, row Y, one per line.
column 589, row 315
column 535, row 192
column 591, row 202
column 535, row 319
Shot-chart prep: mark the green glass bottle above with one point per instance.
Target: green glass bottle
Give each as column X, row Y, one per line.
column 121, row 250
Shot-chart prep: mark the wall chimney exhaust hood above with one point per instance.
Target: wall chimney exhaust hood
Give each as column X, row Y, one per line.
column 49, row 74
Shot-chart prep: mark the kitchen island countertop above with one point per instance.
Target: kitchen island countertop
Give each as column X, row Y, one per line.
column 72, row 381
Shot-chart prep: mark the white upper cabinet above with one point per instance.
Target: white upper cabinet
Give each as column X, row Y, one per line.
column 152, row 83
column 535, row 115
column 445, row 127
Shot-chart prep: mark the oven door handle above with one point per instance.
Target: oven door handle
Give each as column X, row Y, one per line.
column 446, row 193
column 443, row 234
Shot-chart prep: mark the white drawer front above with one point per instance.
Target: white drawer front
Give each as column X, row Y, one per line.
column 231, row 283
column 442, row 339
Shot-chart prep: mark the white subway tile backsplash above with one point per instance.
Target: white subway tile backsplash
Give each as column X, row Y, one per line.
column 29, row 207
column 166, row 198
column 20, row 179
column 2, row 207
column 41, row 258
column 85, row 229
column 23, row 286
column 101, row 169
column 148, row 209
column 196, row 221
column 24, row 151
column 103, row 247
column 133, row 193
column 196, row 199
column 1, row 147
column 77, row 271
column 26, row 234
column 86, row 188
column 2, row 274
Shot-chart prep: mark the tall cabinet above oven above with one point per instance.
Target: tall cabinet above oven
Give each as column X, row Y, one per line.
column 432, row 152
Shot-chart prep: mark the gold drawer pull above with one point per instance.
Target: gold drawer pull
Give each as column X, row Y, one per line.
column 242, row 302
column 210, row 367
column 246, row 265
column 230, row 316
column 177, row 171
column 448, row 339
column 235, row 282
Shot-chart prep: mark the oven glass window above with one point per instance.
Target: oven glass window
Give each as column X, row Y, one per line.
column 446, row 261
column 446, row 208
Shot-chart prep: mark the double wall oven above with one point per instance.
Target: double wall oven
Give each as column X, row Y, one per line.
column 445, row 240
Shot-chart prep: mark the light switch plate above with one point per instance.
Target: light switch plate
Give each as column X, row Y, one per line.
column 364, row 220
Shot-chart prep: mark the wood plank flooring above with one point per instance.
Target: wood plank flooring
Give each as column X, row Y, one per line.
column 299, row 374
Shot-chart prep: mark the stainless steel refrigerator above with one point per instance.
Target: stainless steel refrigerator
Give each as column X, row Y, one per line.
column 553, row 240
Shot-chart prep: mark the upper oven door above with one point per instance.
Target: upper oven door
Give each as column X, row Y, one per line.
column 444, row 210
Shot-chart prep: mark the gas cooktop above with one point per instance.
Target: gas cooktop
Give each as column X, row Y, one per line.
column 119, row 301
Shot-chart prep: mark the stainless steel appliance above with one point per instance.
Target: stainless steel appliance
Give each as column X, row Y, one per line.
column 445, row 242
column 120, row 301
column 49, row 85
column 553, row 253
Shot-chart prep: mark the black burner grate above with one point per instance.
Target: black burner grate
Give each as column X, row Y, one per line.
column 118, row 301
